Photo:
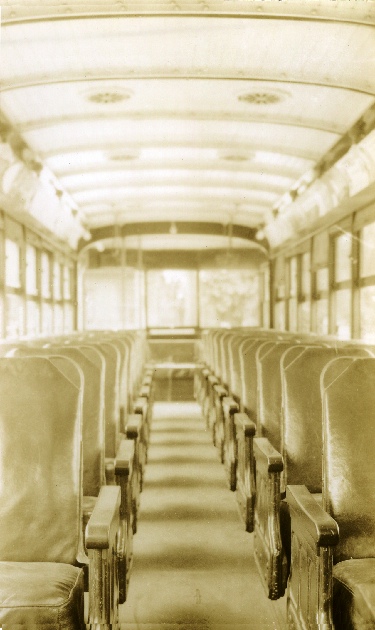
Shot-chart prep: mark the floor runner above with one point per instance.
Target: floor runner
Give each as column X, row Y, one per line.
column 193, row 562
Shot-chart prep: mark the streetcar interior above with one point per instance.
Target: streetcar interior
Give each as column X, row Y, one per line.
column 187, row 216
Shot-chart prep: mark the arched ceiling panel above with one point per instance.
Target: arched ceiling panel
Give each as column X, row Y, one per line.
column 206, row 111
column 318, row 52
column 187, row 132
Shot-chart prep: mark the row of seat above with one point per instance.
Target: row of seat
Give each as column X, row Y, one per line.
column 293, row 420
column 75, row 422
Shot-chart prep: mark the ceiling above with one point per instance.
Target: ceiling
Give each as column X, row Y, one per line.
column 186, row 111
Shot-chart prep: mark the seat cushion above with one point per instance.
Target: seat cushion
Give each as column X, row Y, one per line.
column 354, row 594
column 41, row 595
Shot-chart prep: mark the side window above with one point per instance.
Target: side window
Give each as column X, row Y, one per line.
column 304, row 294
column 367, row 282
column 292, row 298
column 342, row 285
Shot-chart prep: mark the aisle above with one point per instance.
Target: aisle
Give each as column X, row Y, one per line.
column 193, row 562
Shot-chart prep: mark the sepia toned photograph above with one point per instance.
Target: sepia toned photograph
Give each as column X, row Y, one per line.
column 187, row 315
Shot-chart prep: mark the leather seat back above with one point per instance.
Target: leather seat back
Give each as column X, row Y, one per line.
column 247, row 351
column 93, row 426
column 215, row 352
column 348, row 394
column 234, row 365
column 129, row 376
column 228, row 375
column 224, row 358
column 112, row 357
column 301, row 428
column 219, row 353
column 40, row 462
column 112, row 408
column 268, row 357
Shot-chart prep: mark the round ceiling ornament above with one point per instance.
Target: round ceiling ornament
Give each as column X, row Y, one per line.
column 107, row 98
column 107, row 95
column 122, row 157
column 264, row 97
column 235, row 157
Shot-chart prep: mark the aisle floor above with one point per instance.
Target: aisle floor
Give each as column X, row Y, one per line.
column 193, row 562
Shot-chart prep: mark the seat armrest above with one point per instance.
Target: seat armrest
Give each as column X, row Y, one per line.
column 109, row 471
column 220, row 390
column 267, row 455
column 314, row 534
column 101, row 540
column 140, row 405
column 134, row 425
column 206, row 372
column 103, row 524
column 269, row 553
column 310, row 519
column 145, row 390
column 244, row 423
column 245, row 431
column 124, row 458
column 213, row 380
column 230, row 404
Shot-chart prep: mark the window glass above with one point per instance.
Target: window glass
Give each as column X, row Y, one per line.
column 47, row 319
column 265, row 297
column 12, row 264
column 320, row 249
column 368, row 313
column 58, row 319
column 57, row 280
column 343, row 262
column 266, row 315
column 176, row 291
column 293, row 277
column 134, row 310
column 45, row 275
column 292, row 308
column 304, row 316
column 32, row 318
column 106, row 298
column 14, row 315
column 367, row 249
column 228, row 297
column 31, row 270
column 322, row 280
column 68, row 318
column 265, row 285
column 342, row 313
column 280, row 315
column 2, row 308
column 305, row 274
column 322, row 327
column 67, row 288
